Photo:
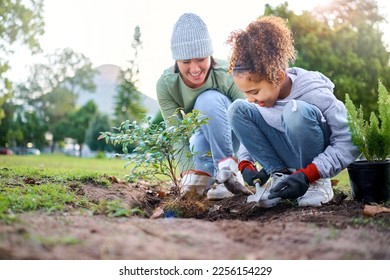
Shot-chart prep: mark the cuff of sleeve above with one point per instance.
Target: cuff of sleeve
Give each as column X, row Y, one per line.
column 311, row 172
column 246, row 164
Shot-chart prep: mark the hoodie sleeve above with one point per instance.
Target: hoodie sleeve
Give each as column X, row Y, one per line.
column 315, row 88
column 340, row 152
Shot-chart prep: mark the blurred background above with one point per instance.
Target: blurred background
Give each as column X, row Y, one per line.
column 71, row 69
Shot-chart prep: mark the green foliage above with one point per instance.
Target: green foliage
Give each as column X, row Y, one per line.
column 63, row 69
column 79, row 121
column 158, row 145
column 343, row 41
column 28, row 127
column 128, row 98
column 51, row 91
column 21, row 21
column 100, row 122
column 371, row 137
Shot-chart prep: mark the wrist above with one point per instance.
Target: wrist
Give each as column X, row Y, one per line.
column 246, row 164
column 311, row 172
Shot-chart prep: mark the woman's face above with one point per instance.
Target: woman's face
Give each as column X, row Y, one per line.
column 194, row 71
column 257, row 91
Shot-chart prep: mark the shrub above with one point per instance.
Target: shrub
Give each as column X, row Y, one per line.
column 372, row 137
column 158, row 145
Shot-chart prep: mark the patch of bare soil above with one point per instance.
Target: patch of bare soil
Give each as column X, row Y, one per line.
column 173, row 229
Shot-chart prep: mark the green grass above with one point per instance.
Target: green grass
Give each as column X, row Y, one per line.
column 61, row 164
column 31, row 183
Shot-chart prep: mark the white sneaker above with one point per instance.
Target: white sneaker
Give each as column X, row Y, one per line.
column 318, row 193
column 218, row 192
column 263, row 201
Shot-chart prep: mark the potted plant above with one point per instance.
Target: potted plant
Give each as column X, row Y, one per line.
column 370, row 174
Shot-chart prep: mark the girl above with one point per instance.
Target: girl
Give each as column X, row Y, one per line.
column 291, row 123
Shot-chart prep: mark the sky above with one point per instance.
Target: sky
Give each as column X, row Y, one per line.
column 102, row 30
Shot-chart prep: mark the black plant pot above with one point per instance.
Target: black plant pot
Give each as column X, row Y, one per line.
column 370, row 181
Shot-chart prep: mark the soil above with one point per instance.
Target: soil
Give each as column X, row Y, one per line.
column 170, row 229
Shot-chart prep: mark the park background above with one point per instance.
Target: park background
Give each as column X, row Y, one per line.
column 71, row 69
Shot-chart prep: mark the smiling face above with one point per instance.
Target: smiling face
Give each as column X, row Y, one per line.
column 194, row 71
column 260, row 91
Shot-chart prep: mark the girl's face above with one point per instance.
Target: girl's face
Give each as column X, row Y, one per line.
column 194, row 71
column 260, row 92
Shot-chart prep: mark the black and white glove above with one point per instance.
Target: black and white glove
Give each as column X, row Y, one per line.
column 296, row 184
column 250, row 174
column 292, row 187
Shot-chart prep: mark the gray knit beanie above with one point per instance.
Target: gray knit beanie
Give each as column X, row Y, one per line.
column 190, row 38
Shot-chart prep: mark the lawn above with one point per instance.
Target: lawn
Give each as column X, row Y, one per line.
column 29, row 183
column 61, row 164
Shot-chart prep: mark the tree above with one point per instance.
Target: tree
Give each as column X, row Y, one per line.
column 20, row 22
column 100, row 122
column 363, row 57
column 128, row 99
column 9, row 132
column 53, row 87
column 62, row 69
column 79, row 121
column 343, row 41
column 30, row 128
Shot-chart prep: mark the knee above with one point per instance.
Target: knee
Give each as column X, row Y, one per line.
column 297, row 113
column 209, row 100
column 236, row 109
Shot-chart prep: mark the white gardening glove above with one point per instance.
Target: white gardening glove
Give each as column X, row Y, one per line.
column 193, row 183
column 231, row 177
column 231, row 164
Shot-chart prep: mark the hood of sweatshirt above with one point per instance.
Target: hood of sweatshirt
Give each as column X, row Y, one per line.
column 308, row 81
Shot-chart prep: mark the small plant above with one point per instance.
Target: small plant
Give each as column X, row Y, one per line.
column 158, row 146
column 372, row 138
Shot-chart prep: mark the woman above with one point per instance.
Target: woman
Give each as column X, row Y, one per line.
column 291, row 124
column 198, row 81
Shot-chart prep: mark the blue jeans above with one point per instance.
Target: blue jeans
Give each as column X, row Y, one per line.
column 215, row 140
column 306, row 135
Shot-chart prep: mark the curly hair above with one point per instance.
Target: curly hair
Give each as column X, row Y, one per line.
column 264, row 48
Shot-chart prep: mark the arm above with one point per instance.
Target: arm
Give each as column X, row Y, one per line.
column 340, row 152
column 168, row 105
